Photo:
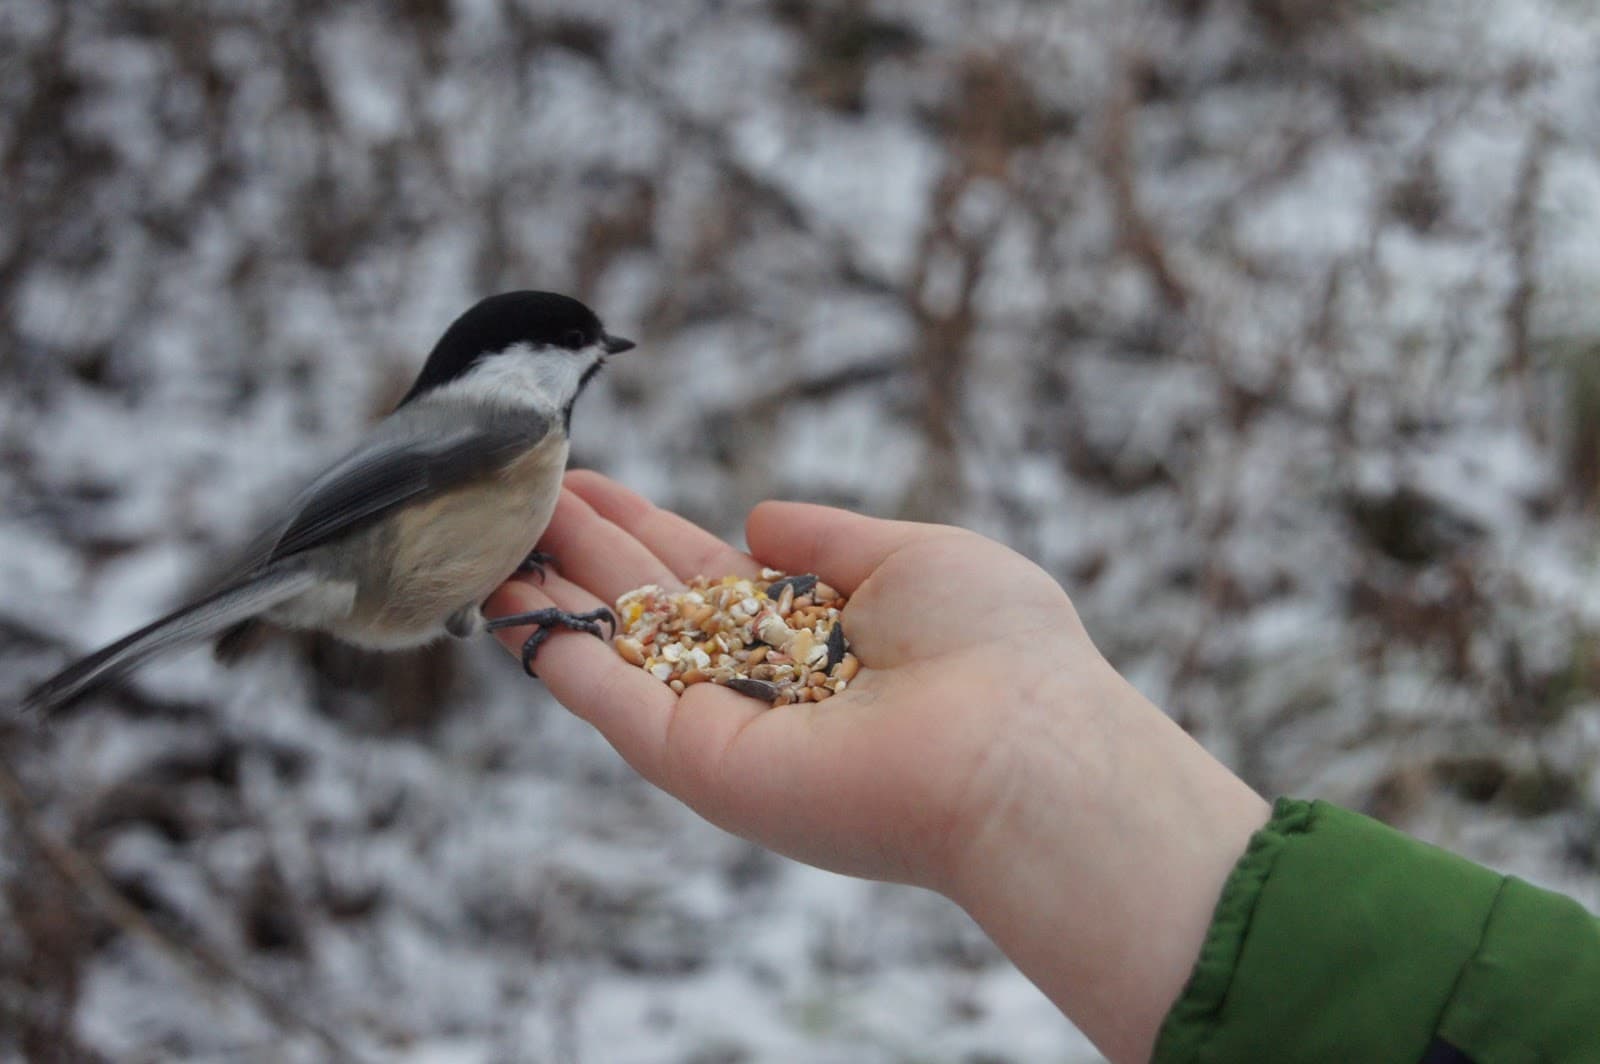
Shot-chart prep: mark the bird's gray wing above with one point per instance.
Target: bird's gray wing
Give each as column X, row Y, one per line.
column 403, row 463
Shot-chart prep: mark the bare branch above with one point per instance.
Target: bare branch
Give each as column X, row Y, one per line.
column 202, row 965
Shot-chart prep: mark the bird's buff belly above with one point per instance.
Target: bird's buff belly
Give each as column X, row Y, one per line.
column 446, row 555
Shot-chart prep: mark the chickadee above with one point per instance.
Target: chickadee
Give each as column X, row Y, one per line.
column 402, row 540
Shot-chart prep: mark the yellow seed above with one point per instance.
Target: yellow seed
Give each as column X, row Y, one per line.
column 823, row 592
column 758, row 654
column 801, row 602
column 693, row 676
column 847, row 667
column 630, row 649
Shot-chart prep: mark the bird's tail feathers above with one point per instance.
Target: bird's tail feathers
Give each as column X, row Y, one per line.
column 190, row 624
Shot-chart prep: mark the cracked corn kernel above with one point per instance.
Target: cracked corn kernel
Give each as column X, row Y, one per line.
column 783, row 647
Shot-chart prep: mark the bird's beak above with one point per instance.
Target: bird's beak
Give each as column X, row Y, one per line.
column 615, row 345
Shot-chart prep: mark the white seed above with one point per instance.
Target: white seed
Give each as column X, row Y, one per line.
column 640, row 594
column 661, row 670
column 772, row 630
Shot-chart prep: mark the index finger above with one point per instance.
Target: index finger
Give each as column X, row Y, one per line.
column 686, row 548
column 676, row 742
column 630, row 707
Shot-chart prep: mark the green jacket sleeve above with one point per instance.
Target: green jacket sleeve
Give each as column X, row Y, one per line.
column 1339, row 939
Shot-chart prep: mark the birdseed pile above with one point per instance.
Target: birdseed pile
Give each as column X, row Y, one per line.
column 776, row 638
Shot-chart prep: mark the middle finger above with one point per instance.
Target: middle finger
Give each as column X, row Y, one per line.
column 597, row 555
column 685, row 547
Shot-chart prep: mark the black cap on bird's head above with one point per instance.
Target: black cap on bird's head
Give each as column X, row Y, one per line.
column 516, row 319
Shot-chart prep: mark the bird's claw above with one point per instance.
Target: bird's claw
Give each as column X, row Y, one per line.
column 536, row 564
column 547, row 621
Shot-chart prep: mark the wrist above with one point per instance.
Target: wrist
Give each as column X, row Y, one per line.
column 1098, row 861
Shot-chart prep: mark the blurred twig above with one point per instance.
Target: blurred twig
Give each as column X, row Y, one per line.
column 1523, row 226
column 827, row 385
column 1138, row 236
column 205, row 967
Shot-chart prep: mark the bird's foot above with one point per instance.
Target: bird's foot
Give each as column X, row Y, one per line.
column 536, row 563
column 549, row 620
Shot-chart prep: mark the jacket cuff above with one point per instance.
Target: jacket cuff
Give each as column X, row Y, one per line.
column 1336, row 938
column 1532, row 990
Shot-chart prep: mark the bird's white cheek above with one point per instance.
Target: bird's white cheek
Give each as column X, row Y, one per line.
column 541, row 378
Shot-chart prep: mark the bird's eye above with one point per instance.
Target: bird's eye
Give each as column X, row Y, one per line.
column 573, row 339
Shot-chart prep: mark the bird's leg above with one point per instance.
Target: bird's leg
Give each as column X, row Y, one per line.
column 535, row 563
column 548, row 620
column 465, row 623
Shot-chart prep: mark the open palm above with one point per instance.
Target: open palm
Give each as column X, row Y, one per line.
column 961, row 642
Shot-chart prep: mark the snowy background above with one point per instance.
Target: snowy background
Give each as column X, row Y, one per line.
column 1268, row 326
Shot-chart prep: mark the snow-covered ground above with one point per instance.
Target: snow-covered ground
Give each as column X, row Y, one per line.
column 1267, row 325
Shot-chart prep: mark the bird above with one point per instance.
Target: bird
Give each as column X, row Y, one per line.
column 400, row 541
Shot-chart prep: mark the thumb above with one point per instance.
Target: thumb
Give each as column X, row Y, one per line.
column 841, row 547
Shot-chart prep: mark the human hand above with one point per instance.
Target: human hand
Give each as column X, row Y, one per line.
column 892, row 779
column 985, row 750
